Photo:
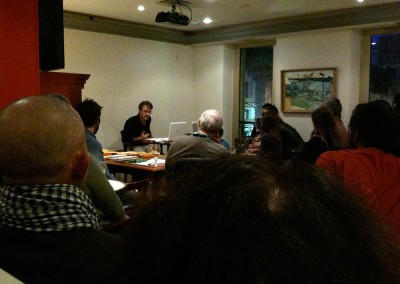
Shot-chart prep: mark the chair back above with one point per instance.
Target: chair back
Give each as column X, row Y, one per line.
column 138, row 186
column 127, row 146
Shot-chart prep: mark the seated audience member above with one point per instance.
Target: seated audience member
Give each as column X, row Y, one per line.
column 271, row 141
column 222, row 141
column 257, row 124
column 253, row 144
column 324, row 137
column 291, row 139
column 50, row 230
column 336, row 107
column 371, row 168
column 201, row 144
column 137, row 128
column 100, row 191
column 254, row 140
column 241, row 220
column 270, row 138
column 90, row 112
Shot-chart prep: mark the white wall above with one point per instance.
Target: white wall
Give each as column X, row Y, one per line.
column 227, row 101
column 125, row 71
column 180, row 81
column 340, row 49
column 183, row 81
column 213, row 82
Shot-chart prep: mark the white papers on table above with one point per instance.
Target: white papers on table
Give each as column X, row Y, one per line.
column 151, row 162
column 122, row 157
column 158, row 140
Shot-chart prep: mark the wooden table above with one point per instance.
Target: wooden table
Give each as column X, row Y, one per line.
column 139, row 172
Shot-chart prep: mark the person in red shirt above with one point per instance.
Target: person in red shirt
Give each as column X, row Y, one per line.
column 371, row 167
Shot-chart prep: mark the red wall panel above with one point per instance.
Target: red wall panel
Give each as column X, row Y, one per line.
column 19, row 50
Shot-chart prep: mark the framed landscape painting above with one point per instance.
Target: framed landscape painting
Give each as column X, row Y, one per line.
column 305, row 90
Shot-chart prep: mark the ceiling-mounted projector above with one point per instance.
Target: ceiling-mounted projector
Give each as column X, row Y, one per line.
column 175, row 17
column 172, row 17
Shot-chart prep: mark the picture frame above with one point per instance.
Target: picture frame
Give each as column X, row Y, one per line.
column 304, row 90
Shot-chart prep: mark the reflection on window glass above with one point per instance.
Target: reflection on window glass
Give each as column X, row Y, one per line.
column 384, row 80
column 255, row 85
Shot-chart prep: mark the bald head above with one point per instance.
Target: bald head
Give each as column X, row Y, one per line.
column 42, row 140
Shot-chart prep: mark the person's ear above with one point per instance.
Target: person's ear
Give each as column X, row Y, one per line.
column 80, row 166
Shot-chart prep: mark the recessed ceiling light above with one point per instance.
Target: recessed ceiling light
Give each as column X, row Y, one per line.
column 360, row 1
column 140, row 8
column 373, row 43
column 207, row 20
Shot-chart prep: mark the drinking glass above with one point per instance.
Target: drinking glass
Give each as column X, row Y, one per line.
column 155, row 150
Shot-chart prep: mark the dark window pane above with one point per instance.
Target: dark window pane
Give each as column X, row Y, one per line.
column 384, row 79
column 255, row 85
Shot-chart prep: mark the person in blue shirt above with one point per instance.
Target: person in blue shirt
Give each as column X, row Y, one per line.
column 222, row 141
column 90, row 112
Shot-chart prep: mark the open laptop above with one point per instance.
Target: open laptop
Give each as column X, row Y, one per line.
column 175, row 129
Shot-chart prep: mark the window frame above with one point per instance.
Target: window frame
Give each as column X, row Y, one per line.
column 366, row 59
column 237, row 83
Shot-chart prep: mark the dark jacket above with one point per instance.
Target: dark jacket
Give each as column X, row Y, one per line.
column 77, row 256
column 291, row 139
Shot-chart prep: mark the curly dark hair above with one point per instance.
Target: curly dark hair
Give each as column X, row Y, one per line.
column 270, row 107
column 89, row 110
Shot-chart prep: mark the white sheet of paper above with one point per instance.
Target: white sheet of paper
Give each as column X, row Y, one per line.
column 151, row 162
